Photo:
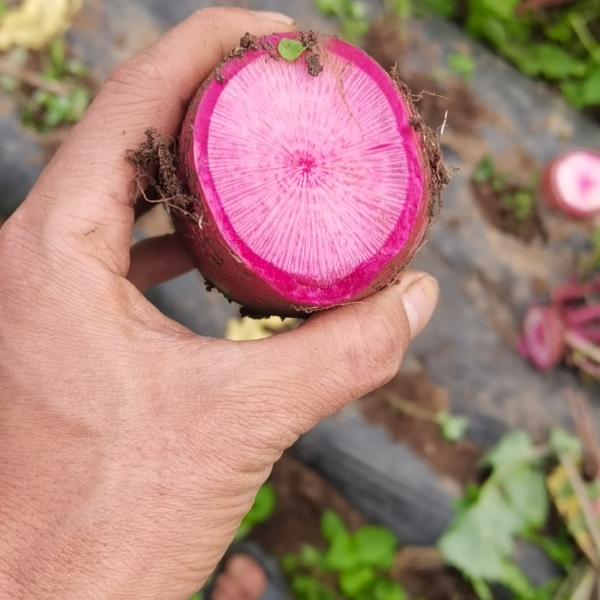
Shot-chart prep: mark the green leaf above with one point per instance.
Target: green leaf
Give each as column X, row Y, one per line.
column 590, row 89
column 402, row 8
column 482, row 589
column 57, row 110
column 330, row 7
column 484, row 170
column 376, row 547
column 452, row 427
column 197, row 596
column 263, row 506
column 358, row 11
column 304, row 586
column 478, row 541
column 353, row 31
column 3, row 8
column 442, row 8
column 332, row 526
column 79, row 100
column 76, row 68
column 290, row 563
column 57, row 53
column 556, row 63
column 352, row 583
column 561, row 32
column 462, row 64
column 342, row 554
column 559, row 549
column 291, row 50
column 505, row 9
column 310, row 557
column 525, row 490
column 514, row 579
column 563, row 443
column 514, row 448
column 385, row 589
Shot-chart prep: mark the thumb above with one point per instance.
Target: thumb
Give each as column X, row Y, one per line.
column 338, row 355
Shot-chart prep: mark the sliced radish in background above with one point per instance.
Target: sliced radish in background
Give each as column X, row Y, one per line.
column 542, row 341
column 571, row 183
column 315, row 179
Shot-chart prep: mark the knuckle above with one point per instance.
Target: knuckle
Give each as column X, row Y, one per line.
column 376, row 350
column 139, row 72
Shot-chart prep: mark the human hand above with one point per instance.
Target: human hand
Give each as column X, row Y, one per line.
column 130, row 448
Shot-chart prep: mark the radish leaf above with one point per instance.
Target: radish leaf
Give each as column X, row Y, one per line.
column 290, row 50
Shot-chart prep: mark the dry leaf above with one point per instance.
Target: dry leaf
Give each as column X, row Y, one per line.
column 35, row 23
column 240, row 330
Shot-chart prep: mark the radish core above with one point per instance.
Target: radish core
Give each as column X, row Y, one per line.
column 574, row 183
column 313, row 186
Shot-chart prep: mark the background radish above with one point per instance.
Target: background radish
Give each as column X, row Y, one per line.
column 571, row 183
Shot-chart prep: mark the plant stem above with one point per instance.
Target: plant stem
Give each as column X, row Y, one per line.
column 585, row 37
column 591, row 334
column 409, row 408
column 574, row 291
column 34, row 80
column 581, row 493
column 580, row 316
column 576, row 342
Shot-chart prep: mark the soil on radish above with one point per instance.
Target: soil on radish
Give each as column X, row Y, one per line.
column 303, row 495
column 457, row 460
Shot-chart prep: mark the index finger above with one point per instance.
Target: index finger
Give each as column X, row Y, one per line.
column 85, row 190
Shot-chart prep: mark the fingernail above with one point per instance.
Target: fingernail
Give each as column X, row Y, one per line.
column 419, row 299
column 273, row 16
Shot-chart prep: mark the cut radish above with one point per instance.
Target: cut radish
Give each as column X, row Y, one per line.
column 314, row 178
column 571, row 183
column 543, row 337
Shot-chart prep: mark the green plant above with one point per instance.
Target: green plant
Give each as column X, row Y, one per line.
column 452, row 427
column 518, row 202
column 354, row 566
column 462, row 64
column 512, row 502
column 556, row 45
column 52, row 96
column 352, row 15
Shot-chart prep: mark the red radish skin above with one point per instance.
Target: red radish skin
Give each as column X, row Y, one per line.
column 542, row 341
column 571, row 183
column 312, row 188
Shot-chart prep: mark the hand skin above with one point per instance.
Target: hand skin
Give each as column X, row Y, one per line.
column 130, row 448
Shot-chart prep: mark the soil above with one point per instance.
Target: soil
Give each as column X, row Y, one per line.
column 490, row 203
column 457, row 460
column 302, row 496
column 385, row 44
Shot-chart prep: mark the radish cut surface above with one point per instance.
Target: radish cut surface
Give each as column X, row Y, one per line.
column 314, row 187
column 573, row 183
column 543, row 336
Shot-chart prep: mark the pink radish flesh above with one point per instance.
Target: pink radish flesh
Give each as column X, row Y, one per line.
column 313, row 190
column 573, row 183
column 542, row 340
